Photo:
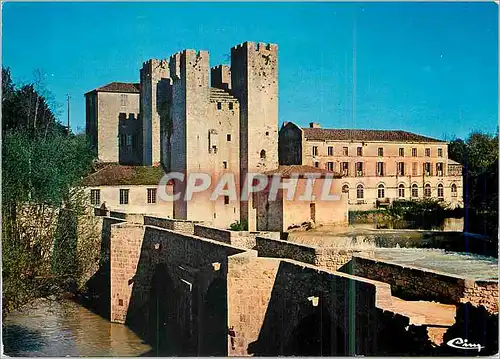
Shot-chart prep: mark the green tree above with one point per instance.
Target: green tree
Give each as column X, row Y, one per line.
column 479, row 157
column 42, row 198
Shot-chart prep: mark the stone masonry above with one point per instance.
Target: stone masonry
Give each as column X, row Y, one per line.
column 269, row 294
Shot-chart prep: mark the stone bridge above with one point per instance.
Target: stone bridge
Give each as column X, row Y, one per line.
column 181, row 285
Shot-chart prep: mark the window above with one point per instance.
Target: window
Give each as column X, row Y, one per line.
column 228, row 137
column 345, row 189
column 95, row 197
column 122, row 116
column 454, row 190
column 401, row 168
column 427, row 190
column 315, row 150
column 124, row 196
column 151, row 195
column 329, row 166
column 440, row 191
column 381, row 191
column 414, row 168
column 345, row 168
column 414, row 190
column 219, row 106
column 267, row 133
column 230, row 105
column 263, row 155
column 440, row 152
column 427, row 152
column 226, row 199
column 316, row 164
column 380, row 168
column 359, row 151
column 380, row 151
column 359, row 169
column 401, row 191
column 131, row 116
column 345, row 151
column 330, row 151
column 401, row 152
column 123, row 100
column 360, row 191
column 439, row 169
column 427, row 168
column 224, row 164
column 414, row 152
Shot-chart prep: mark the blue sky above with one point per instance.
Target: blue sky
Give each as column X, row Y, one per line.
column 430, row 68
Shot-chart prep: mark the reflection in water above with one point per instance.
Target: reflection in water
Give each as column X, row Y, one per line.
column 67, row 329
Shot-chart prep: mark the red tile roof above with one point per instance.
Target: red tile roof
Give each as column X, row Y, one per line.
column 322, row 134
column 286, row 171
column 115, row 174
column 125, row 87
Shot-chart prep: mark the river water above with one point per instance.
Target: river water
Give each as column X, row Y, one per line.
column 64, row 328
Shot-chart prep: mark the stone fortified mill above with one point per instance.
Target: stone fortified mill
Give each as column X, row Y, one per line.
column 212, row 120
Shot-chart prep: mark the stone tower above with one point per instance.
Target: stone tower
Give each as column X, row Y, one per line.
column 254, row 81
column 155, row 93
column 189, row 71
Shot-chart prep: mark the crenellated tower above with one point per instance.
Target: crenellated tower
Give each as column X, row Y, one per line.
column 254, row 81
column 189, row 71
column 221, row 77
column 154, row 108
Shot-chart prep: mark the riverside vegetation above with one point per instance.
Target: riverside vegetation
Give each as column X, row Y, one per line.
column 42, row 199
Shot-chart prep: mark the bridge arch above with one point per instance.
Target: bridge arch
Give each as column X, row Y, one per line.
column 214, row 319
column 316, row 334
column 162, row 329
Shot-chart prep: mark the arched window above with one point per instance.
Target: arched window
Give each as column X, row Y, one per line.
column 414, row 190
column 427, row 190
column 440, row 191
column 263, row 155
column 453, row 190
column 401, row 190
column 381, row 191
column 360, row 191
column 345, row 189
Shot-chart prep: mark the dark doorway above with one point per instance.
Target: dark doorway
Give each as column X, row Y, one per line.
column 214, row 326
column 163, row 333
column 316, row 336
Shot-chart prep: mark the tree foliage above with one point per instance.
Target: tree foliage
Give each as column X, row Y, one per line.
column 42, row 197
column 479, row 156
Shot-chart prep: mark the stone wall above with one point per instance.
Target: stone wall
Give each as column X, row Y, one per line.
column 243, row 239
column 331, row 258
column 269, row 298
column 483, row 293
column 334, row 258
column 178, row 225
column 126, row 242
column 422, row 284
column 144, row 258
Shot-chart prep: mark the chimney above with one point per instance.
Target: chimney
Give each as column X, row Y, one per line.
column 314, row 125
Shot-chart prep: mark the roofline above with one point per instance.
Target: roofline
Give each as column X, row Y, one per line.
column 97, row 89
column 364, row 129
column 372, row 141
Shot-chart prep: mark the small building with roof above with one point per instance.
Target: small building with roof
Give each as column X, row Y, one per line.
column 129, row 189
column 294, row 204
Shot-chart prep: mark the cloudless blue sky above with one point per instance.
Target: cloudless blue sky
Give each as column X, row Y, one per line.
column 430, row 68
